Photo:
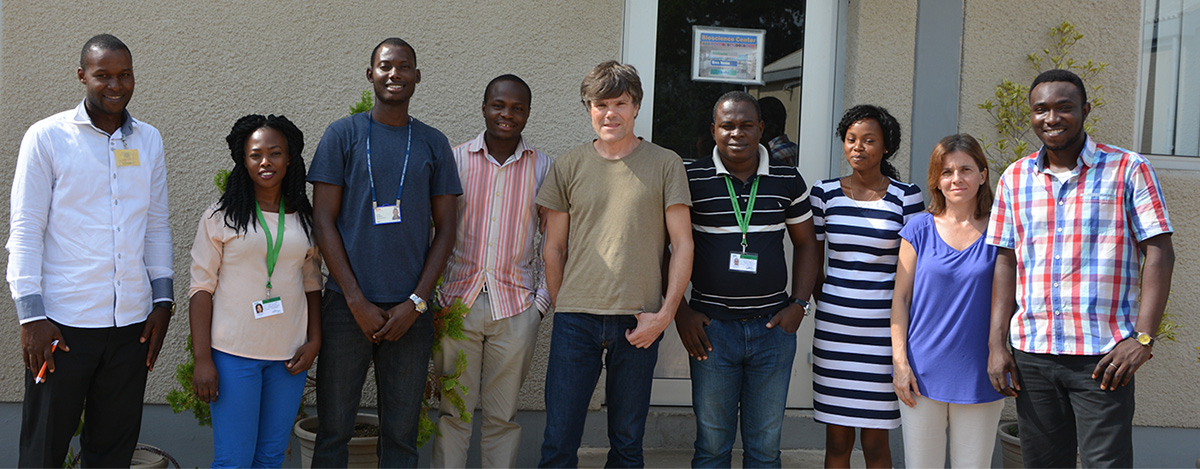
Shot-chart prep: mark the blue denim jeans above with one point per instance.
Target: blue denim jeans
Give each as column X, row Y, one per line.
column 400, row 369
column 579, row 345
column 256, row 405
column 749, row 367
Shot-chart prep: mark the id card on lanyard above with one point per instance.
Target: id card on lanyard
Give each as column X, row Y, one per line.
column 269, row 305
column 743, row 262
column 387, row 214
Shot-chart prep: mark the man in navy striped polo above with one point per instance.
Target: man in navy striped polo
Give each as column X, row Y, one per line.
column 740, row 325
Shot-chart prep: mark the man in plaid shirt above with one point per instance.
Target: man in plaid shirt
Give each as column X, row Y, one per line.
column 1076, row 222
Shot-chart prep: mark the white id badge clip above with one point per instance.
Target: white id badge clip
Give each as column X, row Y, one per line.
column 385, row 214
column 743, row 262
column 268, row 307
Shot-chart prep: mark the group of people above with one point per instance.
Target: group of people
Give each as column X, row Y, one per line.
column 1068, row 263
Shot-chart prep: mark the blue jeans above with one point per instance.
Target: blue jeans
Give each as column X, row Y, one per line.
column 578, row 347
column 256, row 404
column 1061, row 409
column 400, row 369
column 750, row 366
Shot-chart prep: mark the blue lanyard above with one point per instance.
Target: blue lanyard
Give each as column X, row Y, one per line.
column 403, row 171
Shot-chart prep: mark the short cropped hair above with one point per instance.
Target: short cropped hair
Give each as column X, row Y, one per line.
column 396, row 42
column 738, row 96
column 487, row 91
column 774, row 113
column 609, row 80
column 1059, row 74
column 968, row 145
column 102, row 42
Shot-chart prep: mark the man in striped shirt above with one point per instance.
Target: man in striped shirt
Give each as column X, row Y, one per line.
column 1077, row 221
column 495, row 271
column 740, row 324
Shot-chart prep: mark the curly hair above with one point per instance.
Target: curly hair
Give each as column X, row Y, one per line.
column 891, row 132
column 238, row 200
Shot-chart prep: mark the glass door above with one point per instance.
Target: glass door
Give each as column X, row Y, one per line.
column 677, row 112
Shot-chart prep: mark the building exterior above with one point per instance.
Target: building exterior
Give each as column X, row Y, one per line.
column 201, row 65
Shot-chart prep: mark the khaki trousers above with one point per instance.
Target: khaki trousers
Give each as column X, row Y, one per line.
column 498, row 356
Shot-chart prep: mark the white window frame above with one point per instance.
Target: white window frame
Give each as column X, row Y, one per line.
column 1160, row 162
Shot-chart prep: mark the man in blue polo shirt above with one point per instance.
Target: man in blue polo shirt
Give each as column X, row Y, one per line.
column 378, row 179
column 740, row 325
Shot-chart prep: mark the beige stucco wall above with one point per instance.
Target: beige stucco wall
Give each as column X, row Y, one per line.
column 201, row 65
column 996, row 38
column 879, row 64
column 997, row 35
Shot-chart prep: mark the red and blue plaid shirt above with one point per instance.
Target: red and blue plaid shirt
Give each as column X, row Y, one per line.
column 1076, row 247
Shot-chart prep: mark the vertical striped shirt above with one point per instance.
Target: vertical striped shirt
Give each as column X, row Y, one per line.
column 1076, row 247
column 782, row 200
column 497, row 223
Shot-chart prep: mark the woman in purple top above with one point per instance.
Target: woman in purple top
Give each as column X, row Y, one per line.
column 940, row 314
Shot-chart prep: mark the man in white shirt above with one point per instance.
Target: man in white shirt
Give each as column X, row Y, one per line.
column 90, row 266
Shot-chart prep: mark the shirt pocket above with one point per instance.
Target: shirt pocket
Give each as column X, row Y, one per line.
column 1101, row 214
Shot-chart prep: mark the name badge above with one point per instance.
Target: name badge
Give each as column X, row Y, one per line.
column 127, row 157
column 385, row 214
column 743, row 262
column 268, row 307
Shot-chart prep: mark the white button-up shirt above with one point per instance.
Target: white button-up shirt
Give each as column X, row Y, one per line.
column 88, row 237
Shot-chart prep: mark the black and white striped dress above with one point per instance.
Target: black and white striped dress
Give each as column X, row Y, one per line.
column 852, row 346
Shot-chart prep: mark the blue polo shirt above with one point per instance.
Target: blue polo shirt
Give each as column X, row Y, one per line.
column 782, row 200
column 386, row 259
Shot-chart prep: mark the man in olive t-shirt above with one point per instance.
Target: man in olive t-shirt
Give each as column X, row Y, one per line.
column 612, row 205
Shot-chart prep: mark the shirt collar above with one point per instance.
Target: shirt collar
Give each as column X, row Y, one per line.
column 1087, row 156
column 764, row 165
column 82, row 117
column 478, row 145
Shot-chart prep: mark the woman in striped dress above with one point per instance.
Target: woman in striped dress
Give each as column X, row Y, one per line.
column 859, row 216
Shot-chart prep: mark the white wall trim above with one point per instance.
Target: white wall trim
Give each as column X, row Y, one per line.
column 1174, row 163
column 821, row 93
column 639, row 46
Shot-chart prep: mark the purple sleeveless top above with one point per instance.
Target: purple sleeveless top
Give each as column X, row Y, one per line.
column 948, row 320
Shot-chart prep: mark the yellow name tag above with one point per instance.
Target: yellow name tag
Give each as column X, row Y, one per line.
column 127, row 157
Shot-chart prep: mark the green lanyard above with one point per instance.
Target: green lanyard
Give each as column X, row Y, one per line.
column 272, row 248
column 743, row 222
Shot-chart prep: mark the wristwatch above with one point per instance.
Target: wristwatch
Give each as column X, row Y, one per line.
column 803, row 304
column 420, row 303
column 169, row 305
column 1144, row 339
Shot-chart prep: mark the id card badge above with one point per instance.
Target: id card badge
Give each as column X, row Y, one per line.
column 268, row 307
column 127, row 157
column 743, row 262
column 385, row 214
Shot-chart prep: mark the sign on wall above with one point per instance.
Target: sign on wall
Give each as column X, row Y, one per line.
column 728, row 55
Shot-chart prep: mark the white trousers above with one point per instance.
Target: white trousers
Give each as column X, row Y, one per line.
column 498, row 356
column 972, row 433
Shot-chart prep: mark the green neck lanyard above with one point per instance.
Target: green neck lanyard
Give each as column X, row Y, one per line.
column 274, row 247
column 743, row 222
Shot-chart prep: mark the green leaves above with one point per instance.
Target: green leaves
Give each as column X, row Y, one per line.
column 185, row 398
column 364, row 104
column 447, row 322
column 1008, row 110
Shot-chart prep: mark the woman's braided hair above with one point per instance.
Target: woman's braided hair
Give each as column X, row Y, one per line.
column 238, row 199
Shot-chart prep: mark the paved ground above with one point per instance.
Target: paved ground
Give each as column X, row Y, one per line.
column 669, row 458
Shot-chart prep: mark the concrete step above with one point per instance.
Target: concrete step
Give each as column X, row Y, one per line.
column 656, row 457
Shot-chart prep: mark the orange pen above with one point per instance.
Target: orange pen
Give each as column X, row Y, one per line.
column 41, row 377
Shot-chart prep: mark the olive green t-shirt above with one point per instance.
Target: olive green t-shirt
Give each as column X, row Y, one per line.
column 618, row 226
